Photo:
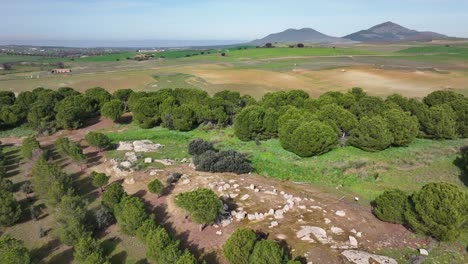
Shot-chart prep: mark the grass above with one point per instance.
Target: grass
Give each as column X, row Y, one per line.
column 366, row 174
column 172, row 81
column 23, row 58
column 18, row 132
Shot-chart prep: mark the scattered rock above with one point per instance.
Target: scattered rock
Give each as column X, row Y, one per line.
column 423, row 252
column 245, row 197
column 279, row 214
column 127, row 146
column 219, row 233
column 273, row 224
column 251, row 217
column 129, row 181
column 148, row 160
column 327, row 221
column 126, row 164
column 356, row 198
column 252, row 187
column 281, row 236
column 319, row 233
column 131, row 157
column 186, row 181
column 145, row 146
column 240, row 216
column 233, row 195
column 340, row 213
column 315, row 207
column 165, row 162
column 362, row 257
column 336, row 230
column 353, row 241
column 359, row 234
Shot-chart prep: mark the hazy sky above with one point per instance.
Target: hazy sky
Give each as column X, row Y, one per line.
column 218, row 19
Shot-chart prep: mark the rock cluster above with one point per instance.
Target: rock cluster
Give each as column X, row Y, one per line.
column 139, row 146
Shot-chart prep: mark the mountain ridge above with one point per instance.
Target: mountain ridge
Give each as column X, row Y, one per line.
column 305, row 35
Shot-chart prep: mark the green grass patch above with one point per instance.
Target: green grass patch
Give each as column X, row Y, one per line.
column 366, row 174
column 18, row 132
column 173, row 80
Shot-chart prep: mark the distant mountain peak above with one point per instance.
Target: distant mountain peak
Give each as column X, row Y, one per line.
column 392, row 32
column 305, row 35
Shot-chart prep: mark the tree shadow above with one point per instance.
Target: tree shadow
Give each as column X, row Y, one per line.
column 110, row 244
column 125, row 119
column 38, row 254
column 64, row 257
column 462, row 165
column 119, row 258
column 93, row 159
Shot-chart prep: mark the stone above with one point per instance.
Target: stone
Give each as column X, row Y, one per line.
column 240, row 216
column 226, row 186
column 145, row 146
column 186, row 181
column 225, row 207
column 220, row 189
column 271, row 212
column 130, row 181
column 279, row 214
column 340, row 213
column 308, row 239
column 353, row 242
column 165, row 162
column 259, row 216
column 251, row 217
column 148, row 160
column 286, row 208
column 184, row 160
column 256, row 190
column 126, row 164
column 219, row 232
column 225, row 222
column 302, row 207
column 423, row 252
column 315, row 207
column 233, row 195
column 245, row 197
column 362, row 257
column 131, row 156
column 127, row 146
column 327, row 221
column 235, row 186
column 252, row 187
column 356, row 198
column 319, row 233
column 336, row 230
column 281, row 236
column 273, row 224
column 359, row 234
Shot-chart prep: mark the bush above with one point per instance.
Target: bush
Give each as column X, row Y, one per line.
column 85, row 247
column 112, row 110
column 28, row 145
column 199, row 146
column 99, row 180
column 98, row 140
column 248, row 124
column 156, row 187
column 371, row 134
column 147, row 226
column 310, row 138
column 203, row 205
column 442, row 122
column 103, row 217
column 223, row 161
column 239, row 246
column 439, row 210
column 390, row 206
column 13, row 251
column 267, row 252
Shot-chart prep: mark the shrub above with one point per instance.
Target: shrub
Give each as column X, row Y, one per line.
column 203, row 205
column 28, row 145
column 98, row 140
column 441, row 122
column 248, row 124
column 156, row 187
column 103, row 217
column 439, row 210
column 187, row 258
column 267, row 252
column 13, row 251
column 371, row 134
column 390, row 206
column 147, row 226
column 311, row 138
column 199, row 146
column 223, row 161
column 239, row 246
column 112, row 110
column 70, row 220
column 85, row 247
column 99, row 180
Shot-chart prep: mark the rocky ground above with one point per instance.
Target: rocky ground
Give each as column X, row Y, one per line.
column 318, row 226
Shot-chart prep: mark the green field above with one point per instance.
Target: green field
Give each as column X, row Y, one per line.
column 366, row 174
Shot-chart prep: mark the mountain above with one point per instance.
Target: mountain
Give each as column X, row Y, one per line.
column 391, row 32
column 306, row 35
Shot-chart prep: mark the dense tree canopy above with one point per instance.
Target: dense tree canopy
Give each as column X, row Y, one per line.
column 267, row 252
column 130, row 214
column 239, row 246
column 403, row 126
column 112, row 110
column 371, row 134
column 10, row 210
column 13, row 251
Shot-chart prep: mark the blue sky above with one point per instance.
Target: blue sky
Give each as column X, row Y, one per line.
column 218, row 19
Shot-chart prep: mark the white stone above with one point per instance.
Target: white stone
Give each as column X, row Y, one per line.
column 145, row 146
column 125, row 146
column 359, row 234
column 319, row 233
column 130, row 181
column 256, row 190
column 225, row 222
column 240, row 216
column 226, row 186
column 336, row 230
column 245, row 197
column 252, row 187
column 340, row 213
column 423, row 252
column 315, row 207
column 233, row 195
column 273, row 224
column 327, row 221
column 131, row 156
column 353, row 241
column 251, row 217
column 302, row 207
column 362, row 257
column 356, row 198
column 126, row 164
column 219, row 232
column 186, row 181
column 308, row 239
column 286, row 208
column 148, row 160
column 279, row 214
column 271, row 212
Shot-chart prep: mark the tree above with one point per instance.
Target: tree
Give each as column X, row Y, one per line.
column 439, row 210
column 203, row 205
column 99, row 95
column 85, row 247
column 403, row 126
column 13, row 251
column 187, row 258
column 171, row 253
column 248, row 124
column 441, row 122
column 70, row 220
column 156, row 240
column 98, row 140
column 441, row 97
column 300, row 45
column 460, row 107
column 123, row 95
column 112, row 110
column 199, row 146
column 147, row 226
column 156, row 187
column 239, row 246
column 183, row 118
column 390, row 206
column 130, row 214
column 113, row 195
column 96, row 258
column 10, row 210
column 341, row 118
column 28, row 145
column 267, row 252
column 47, row 177
column 371, row 134
column 99, row 180
column 311, row 138
column 104, row 217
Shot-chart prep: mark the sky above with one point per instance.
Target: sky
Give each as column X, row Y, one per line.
column 228, row 20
